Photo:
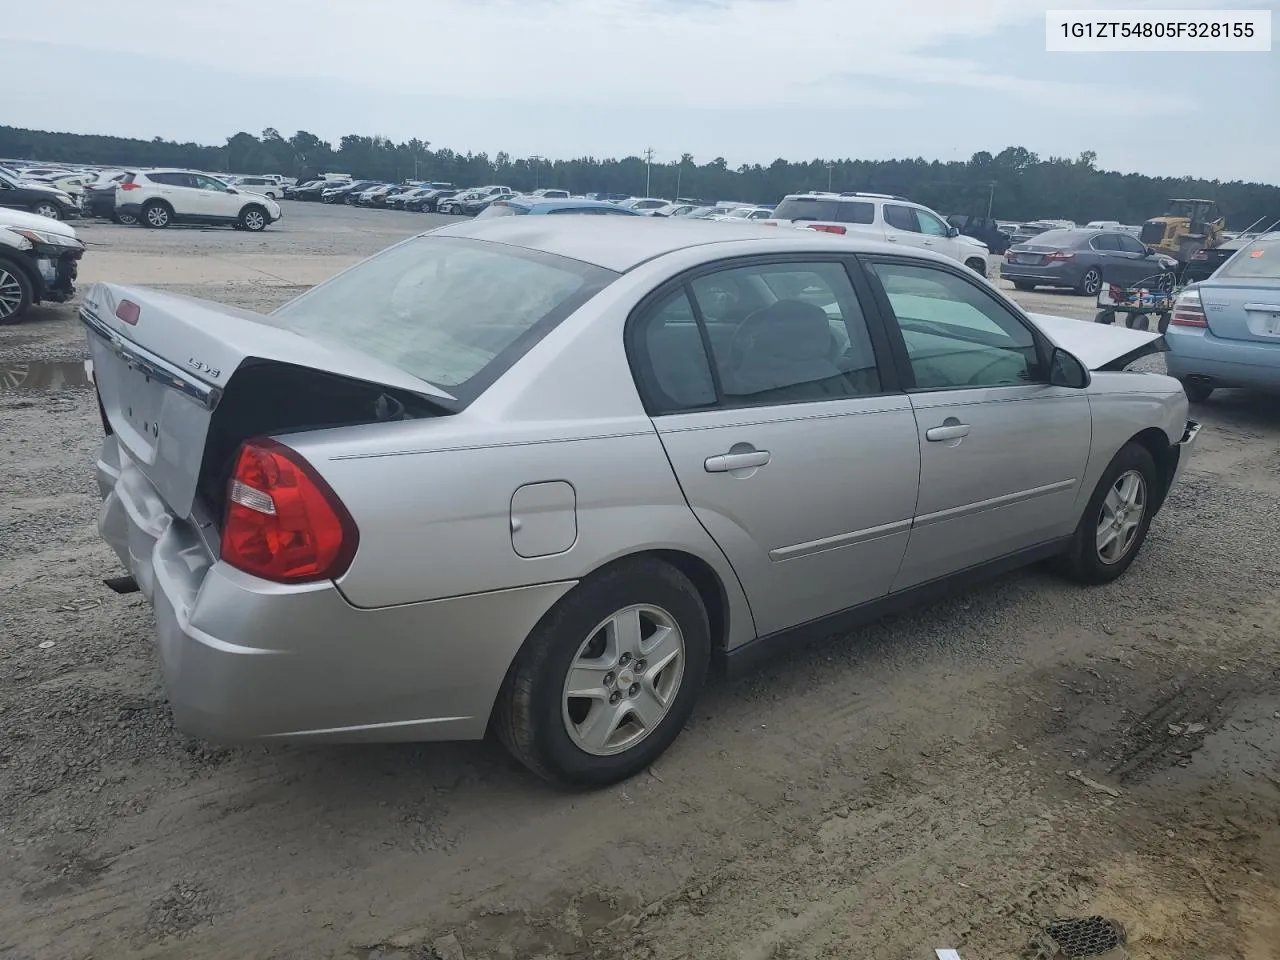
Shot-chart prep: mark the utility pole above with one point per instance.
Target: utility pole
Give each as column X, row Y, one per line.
column 830, row 167
column 648, row 161
column 991, row 199
column 536, row 161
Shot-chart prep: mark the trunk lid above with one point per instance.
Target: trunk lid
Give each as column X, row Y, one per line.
column 1099, row 346
column 1032, row 254
column 1242, row 309
column 161, row 370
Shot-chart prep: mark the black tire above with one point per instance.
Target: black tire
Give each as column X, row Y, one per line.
column 157, row 214
column 1137, row 321
column 529, row 717
column 1197, row 390
column 1082, row 562
column 1023, row 285
column 1105, row 316
column 977, row 266
column 47, row 208
column 16, row 291
column 1090, row 283
column 254, row 218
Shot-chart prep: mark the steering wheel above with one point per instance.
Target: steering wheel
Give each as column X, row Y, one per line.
column 746, row 330
column 977, row 374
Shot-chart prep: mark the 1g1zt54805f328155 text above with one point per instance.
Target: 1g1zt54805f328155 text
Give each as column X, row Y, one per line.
column 1098, row 31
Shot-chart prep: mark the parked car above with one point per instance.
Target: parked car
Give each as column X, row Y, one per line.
column 674, row 210
column 1205, row 261
column 378, row 196
column 609, row 197
column 1082, row 260
column 312, row 190
column 401, row 201
column 550, row 193
column 884, row 217
column 345, row 192
column 42, row 200
column 645, row 205
column 982, row 228
column 1225, row 331
column 265, row 186
column 1029, row 231
column 39, row 257
column 746, row 213
column 159, row 198
column 486, row 196
column 523, row 206
column 70, row 183
column 613, row 514
column 99, row 199
column 430, row 202
column 453, row 205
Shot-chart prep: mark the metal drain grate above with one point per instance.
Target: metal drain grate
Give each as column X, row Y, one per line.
column 1081, row 939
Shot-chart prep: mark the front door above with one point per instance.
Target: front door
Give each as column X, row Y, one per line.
column 212, row 198
column 793, row 451
column 1002, row 452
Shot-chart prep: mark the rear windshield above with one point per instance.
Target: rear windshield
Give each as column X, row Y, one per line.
column 1060, row 238
column 833, row 211
column 455, row 313
column 1258, row 261
column 500, row 209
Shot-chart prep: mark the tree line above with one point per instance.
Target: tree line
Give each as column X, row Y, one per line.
column 1014, row 184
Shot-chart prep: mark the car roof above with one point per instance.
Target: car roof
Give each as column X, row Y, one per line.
column 621, row 243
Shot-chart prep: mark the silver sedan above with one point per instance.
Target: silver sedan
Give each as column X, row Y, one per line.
column 540, row 475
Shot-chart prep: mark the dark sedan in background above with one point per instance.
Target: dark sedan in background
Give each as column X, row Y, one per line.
column 1082, row 260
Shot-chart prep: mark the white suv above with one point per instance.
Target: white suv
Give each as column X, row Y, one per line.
column 881, row 215
column 157, row 198
column 267, row 186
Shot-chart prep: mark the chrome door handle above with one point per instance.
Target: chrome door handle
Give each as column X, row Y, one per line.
column 951, row 431
column 892, row 239
column 736, row 461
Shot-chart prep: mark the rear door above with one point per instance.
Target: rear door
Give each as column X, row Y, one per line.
column 792, row 445
column 901, row 226
column 1242, row 300
column 1002, row 452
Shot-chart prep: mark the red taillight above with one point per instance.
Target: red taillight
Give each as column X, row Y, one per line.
column 1010, row 256
column 827, row 228
column 130, row 186
column 128, row 312
column 1188, row 315
column 1059, row 255
column 283, row 522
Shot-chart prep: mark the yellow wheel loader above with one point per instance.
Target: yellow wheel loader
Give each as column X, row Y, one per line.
column 1185, row 227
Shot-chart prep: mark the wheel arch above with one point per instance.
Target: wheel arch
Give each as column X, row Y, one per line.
column 1165, row 454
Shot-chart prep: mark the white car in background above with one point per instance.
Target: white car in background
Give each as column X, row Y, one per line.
column 159, row 198
column 266, row 186
column 884, row 217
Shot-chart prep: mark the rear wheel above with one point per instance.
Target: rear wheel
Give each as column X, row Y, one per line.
column 253, row 218
column 606, row 680
column 157, row 214
column 15, row 291
column 1090, row 283
column 1197, row 390
column 1137, row 321
column 1115, row 522
column 46, row 209
column 1023, row 285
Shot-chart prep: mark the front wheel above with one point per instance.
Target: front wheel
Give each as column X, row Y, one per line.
column 253, row 219
column 1023, row 285
column 607, row 679
column 977, row 265
column 46, row 209
column 1115, row 522
column 16, row 293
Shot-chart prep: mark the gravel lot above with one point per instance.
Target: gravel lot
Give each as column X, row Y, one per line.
column 909, row 788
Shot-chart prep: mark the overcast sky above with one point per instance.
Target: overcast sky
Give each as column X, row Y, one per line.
column 749, row 80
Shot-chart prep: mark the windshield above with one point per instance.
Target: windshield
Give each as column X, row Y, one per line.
column 1259, row 261
column 452, row 312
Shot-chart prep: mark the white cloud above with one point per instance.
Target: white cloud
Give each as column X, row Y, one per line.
column 634, row 53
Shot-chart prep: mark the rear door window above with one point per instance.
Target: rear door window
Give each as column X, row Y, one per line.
column 855, row 211
column 1105, row 241
column 453, row 312
column 901, row 218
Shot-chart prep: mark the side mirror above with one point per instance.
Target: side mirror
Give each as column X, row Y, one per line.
column 1066, row 371
column 953, row 231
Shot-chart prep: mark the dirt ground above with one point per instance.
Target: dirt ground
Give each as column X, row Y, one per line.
column 952, row 778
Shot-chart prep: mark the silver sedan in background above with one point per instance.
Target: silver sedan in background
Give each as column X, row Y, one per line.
column 540, row 474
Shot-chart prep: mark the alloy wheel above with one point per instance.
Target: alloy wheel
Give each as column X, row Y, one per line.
column 253, row 219
column 1121, row 516
column 157, row 216
column 1092, row 283
column 623, row 680
column 10, row 294
column 46, row 210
